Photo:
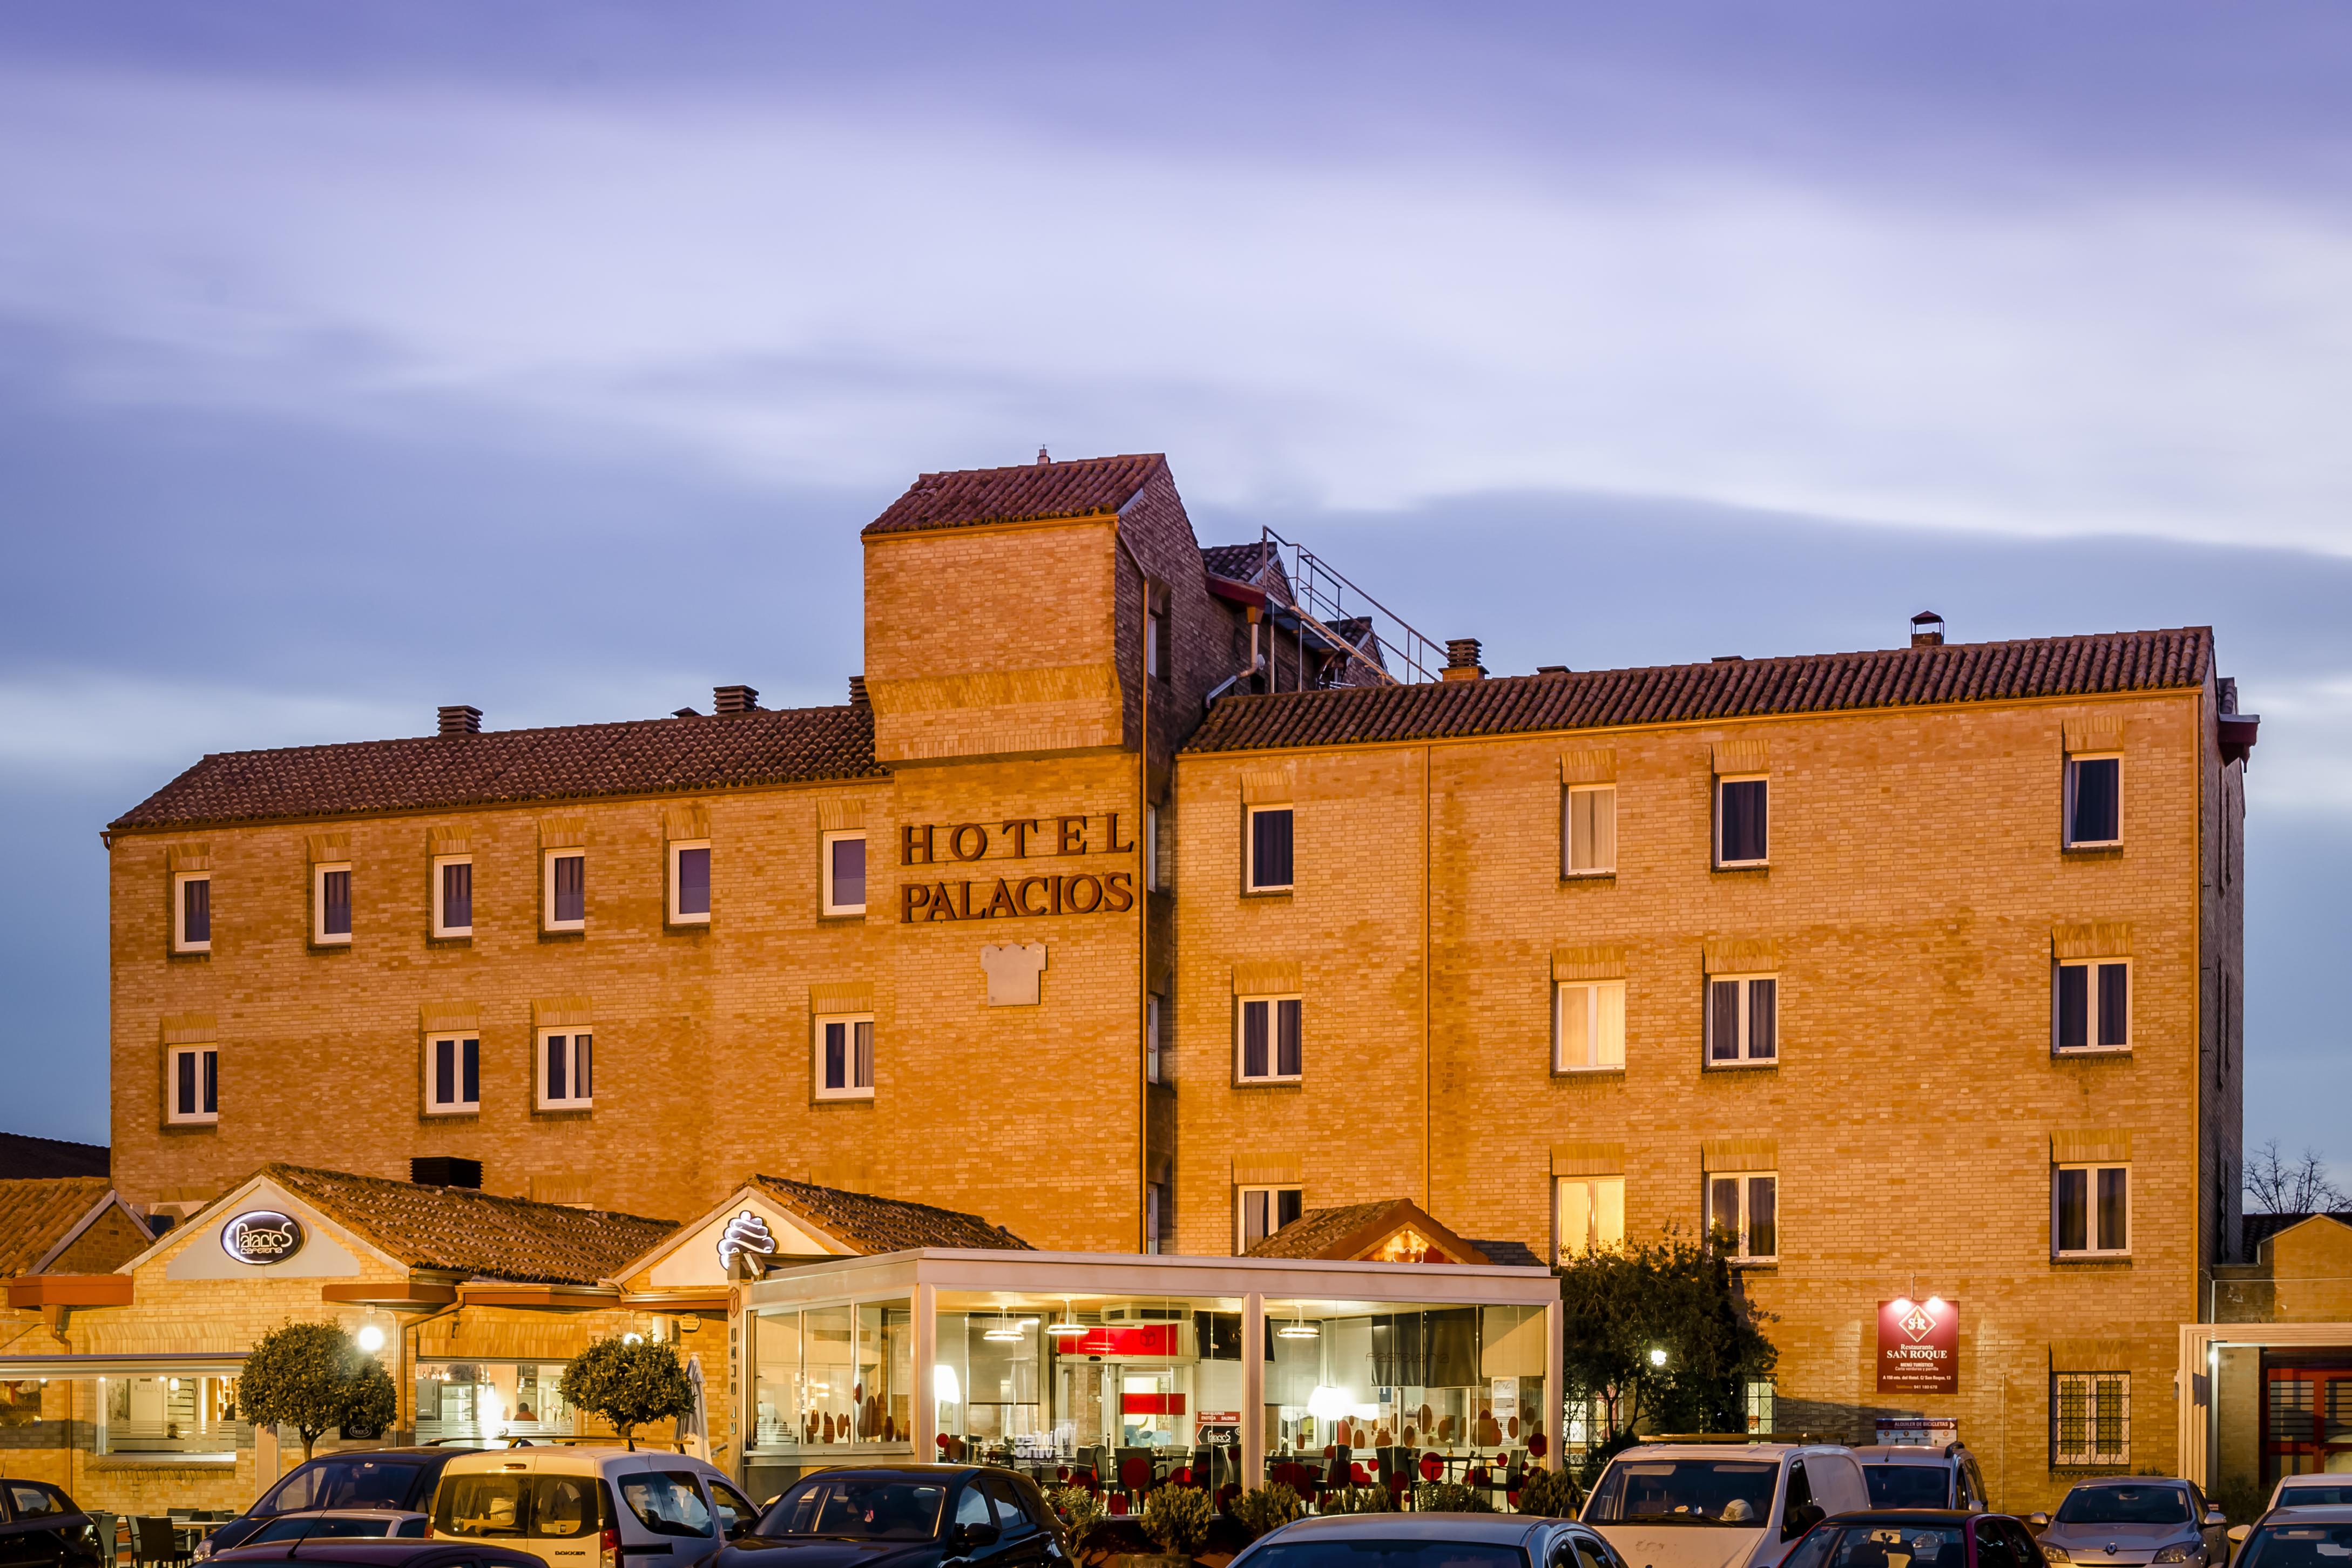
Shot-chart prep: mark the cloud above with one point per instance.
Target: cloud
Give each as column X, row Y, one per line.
column 811, row 291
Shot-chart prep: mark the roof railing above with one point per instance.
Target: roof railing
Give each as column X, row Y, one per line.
column 1317, row 596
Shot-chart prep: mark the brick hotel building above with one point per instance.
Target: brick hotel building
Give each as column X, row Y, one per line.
column 1133, row 903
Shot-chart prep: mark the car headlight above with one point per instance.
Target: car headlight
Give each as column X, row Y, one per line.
column 2176, row 1553
column 2055, row 1553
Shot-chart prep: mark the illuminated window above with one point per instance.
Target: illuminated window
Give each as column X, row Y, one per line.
column 1262, row 1211
column 1590, row 1213
column 1743, row 1213
column 1588, row 1026
column 2090, row 1418
column 1589, row 830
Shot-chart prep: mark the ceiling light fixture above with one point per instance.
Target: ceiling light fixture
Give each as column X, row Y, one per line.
column 1069, row 1327
column 1299, row 1328
column 1005, row 1332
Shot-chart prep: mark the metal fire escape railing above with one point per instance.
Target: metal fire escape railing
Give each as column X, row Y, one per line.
column 1314, row 597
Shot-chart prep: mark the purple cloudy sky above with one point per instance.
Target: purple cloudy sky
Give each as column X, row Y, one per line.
column 356, row 359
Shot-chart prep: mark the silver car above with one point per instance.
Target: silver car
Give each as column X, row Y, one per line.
column 1431, row 1541
column 2134, row 1520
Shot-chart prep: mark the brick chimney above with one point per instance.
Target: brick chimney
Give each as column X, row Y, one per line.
column 1927, row 630
column 734, row 699
column 1462, row 660
column 461, row 720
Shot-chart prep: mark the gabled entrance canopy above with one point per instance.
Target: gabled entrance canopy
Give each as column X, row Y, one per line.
column 1396, row 1231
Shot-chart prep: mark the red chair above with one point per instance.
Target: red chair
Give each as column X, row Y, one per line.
column 1118, row 1505
column 1184, row 1475
column 1135, row 1477
column 1357, row 1474
column 1432, row 1467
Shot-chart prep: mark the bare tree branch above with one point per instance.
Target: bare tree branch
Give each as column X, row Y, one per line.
column 2276, row 1185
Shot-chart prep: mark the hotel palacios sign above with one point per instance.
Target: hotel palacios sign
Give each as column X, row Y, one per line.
column 952, row 847
column 1918, row 1346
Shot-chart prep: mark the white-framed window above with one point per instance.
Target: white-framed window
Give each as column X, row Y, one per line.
column 1268, row 850
column 1758, row 1399
column 192, row 1084
column 2090, row 1211
column 845, row 1057
column 1588, row 833
column 843, row 873
column 1743, row 1020
column 1741, row 812
column 1267, row 1048
column 690, row 882
column 2095, row 801
column 1151, row 1037
column 1259, row 1211
column 566, row 1069
column 192, row 912
column 564, row 897
column 2090, row 1418
column 1588, row 1214
column 330, row 904
column 453, row 1074
column 1743, row 1213
column 1588, row 1026
column 2091, row 1008
column 1150, row 848
column 453, row 895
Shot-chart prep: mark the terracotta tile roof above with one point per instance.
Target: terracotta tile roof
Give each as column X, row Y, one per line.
column 23, row 1156
column 2257, row 1228
column 1242, row 563
column 875, row 1224
column 475, row 1235
column 1351, row 1230
column 1034, row 490
column 645, row 756
column 1507, row 1254
column 35, row 1216
column 1809, row 683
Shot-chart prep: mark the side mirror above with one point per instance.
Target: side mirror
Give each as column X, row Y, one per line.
column 2215, row 1519
column 2238, row 1534
column 2038, row 1520
column 1977, row 1505
column 972, row 1537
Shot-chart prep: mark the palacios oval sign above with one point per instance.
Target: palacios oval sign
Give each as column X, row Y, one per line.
column 261, row 1237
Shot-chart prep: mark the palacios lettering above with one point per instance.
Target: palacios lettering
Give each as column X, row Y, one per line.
column 937, row 844
column 1086, row 893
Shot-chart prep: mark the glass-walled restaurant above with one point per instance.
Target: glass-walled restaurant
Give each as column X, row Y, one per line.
column 1089, row 1361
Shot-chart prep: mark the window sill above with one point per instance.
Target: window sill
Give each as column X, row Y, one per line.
column 1568, row 878
column 562, row 933
column 1751, row 871
column 683, row 928
column 2091, row 1053
column 470, row 1113
column 1617, row 1072
column 564, row 1112
column 1298, row 1082
column 212, row 1126
column 1772, row 1262
column 339, row 944
column 2093, row 851
column 1267, row 892
column 181, row 954
column 451, row 938
column 2077, row 1259
column 841, row 917
column 1763, row 1065
column 866, row 1099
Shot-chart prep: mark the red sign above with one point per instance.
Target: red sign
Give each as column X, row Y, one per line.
column 1918, row 1346
column 1152, row 1405
column 1147, row 1339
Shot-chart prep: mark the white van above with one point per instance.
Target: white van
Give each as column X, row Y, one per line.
column 1720, row 1505
column 591, row 1507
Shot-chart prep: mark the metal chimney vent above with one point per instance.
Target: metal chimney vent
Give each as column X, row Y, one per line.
column 734, row 699
column 461, row 720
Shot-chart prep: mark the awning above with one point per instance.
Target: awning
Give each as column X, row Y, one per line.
column 196, row 1364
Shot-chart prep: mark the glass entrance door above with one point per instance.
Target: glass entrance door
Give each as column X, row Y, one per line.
column 2307, row 1421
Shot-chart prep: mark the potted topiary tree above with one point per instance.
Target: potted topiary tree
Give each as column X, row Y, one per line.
column 311, row 1377
column 629, row 1382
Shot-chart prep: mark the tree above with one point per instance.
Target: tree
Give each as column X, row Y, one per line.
column 2275, row 1184
column 1623, row 1305
column 311, row 1377
column 628, row 1384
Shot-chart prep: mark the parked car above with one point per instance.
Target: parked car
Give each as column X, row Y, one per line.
column 2317, row 1536
column 907, row 1516
column 40, row 1527
column 591, row 1507
column 2134, row 1520
column 342, row 1524
column 399, row 1553
column 1905, row 1475
column 1920, row 1537
column 2313, row 1488
column 400, row 1478
column 1720, row 1505
column 1431, row 1541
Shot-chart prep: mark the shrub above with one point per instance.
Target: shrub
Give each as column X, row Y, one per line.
column 1261, row 1509
column 1450, row 1497
column 1359, row 1500
column 1552, row 1493
column 1178, row 1519
column 1079, row 1511
column 628, row 1384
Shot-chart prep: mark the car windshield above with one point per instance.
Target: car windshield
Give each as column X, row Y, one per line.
column 339, row 1482
column 2299, row 1546
column 2125, row 1505
column 1908, row 1485
column 1387, row 1554
column 2315, row 1494
column 858, row 1508
column 311, row 1527
column 1685, row 1491
column 1881, row 1546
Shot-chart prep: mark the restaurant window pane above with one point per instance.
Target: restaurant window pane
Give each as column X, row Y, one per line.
column 167, row 1414
column 777, row 1400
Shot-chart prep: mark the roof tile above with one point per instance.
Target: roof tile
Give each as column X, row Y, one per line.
column 971, row 496
column 876, row 1226
column 35, row 1216
column 475, row 1235
column 1809, row 683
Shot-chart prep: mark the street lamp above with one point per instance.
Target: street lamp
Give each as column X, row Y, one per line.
column 1657, row 1355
